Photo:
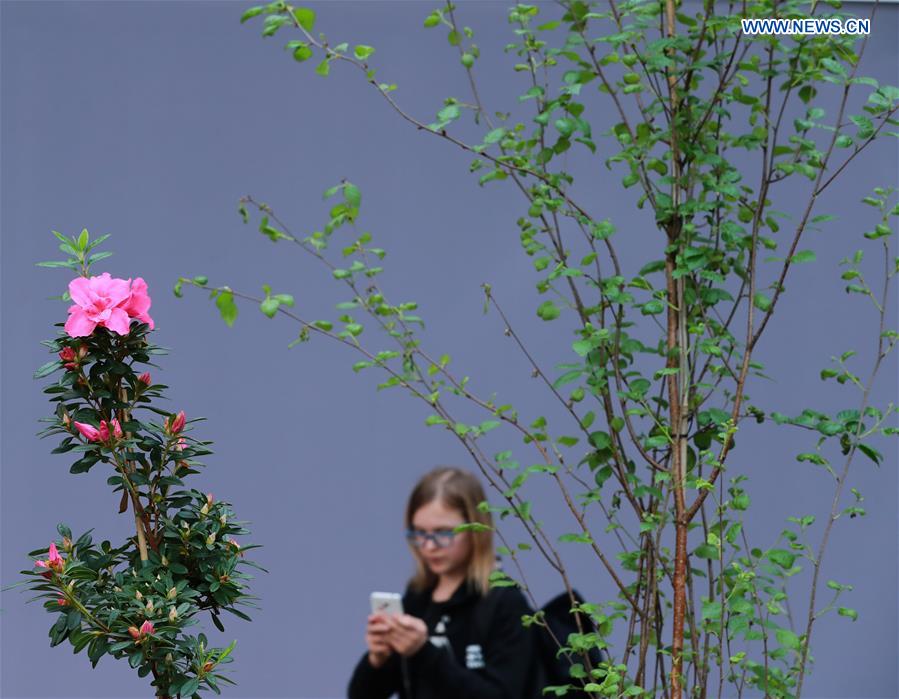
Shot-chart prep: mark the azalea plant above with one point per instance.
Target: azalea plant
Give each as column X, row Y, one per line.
column 137, row 600
column 658, row 351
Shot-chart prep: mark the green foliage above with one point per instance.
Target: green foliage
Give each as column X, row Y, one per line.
column 185, row 561
column 663, row 359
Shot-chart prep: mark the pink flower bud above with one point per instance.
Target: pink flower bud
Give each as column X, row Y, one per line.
column 117, row 428
column 209, row 499
column 178, row 423
column 104, row 431
column 145, row 378
column 68, row 357
column 62, row 601
column 146, row 628
column 135, row 633
column 89, row 432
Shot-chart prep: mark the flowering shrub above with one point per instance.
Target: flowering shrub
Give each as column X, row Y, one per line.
column 134, row 601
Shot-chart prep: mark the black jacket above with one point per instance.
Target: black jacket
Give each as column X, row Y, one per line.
column 502, row 665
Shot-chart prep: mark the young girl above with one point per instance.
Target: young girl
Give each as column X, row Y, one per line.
column 436, row 650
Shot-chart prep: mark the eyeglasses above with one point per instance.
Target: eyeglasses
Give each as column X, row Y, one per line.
column 442, row 538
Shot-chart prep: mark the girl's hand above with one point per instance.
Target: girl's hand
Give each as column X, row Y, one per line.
column 376, row 631
column 407, row 634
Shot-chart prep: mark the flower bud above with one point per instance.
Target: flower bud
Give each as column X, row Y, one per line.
column 149, row 605
column 135, row 634
column 138, row 595
column 82, row 351
column 223, row 519
column 62, row 601
column 168, row 658
column 209, row 499
column 210, row 540
column 177, row 423
column 205, row 509
column 208, row 666
column 173, row 593
column 173, row 614
column 145, row 378
column 68, row 358
column 165, row 562
column 67, row 544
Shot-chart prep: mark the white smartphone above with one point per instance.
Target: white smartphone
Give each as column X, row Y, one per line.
column 386, row 603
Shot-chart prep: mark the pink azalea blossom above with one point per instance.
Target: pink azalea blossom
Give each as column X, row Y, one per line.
column 54, row 561
column 98, row 301
column 108, row 302
column 139, row 302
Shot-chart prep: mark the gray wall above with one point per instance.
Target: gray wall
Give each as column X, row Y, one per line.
column 149, row 120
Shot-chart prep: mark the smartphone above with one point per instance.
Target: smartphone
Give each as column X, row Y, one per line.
column 386, row 603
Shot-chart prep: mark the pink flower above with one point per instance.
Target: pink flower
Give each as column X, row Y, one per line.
column 62, row 601
column 139, row 302
column 90, row 433
column 116, row 428
column 146, row 628
column 54, row 561
column 108, row 302
column 98, row 301
column 145, row 378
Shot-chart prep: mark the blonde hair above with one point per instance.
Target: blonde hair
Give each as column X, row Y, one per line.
column 460, row 490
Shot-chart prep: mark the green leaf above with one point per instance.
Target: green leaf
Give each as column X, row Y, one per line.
column 762, row 302
column 190, row 687
column 353, row 195
column 803, row 256
column 227, row 308
column 305, row 17
column 494, row 135
column 302, row 52
column 548, row 311
column 323, row 68
column 711, row 610
column 846, row 611
column 362, row 51
column 781, row 557
column 269, row 307
column 576, row 538
column 787, row 639
column 252, row 12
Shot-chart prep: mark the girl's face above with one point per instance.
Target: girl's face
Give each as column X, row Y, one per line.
column 432, row 519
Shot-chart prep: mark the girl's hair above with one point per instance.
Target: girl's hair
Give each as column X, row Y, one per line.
column 460, row 490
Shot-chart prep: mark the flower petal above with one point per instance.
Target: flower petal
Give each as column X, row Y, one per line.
column 79, row 324
column 118, row 321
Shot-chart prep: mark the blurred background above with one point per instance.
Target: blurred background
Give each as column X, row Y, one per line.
column 148, row 120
